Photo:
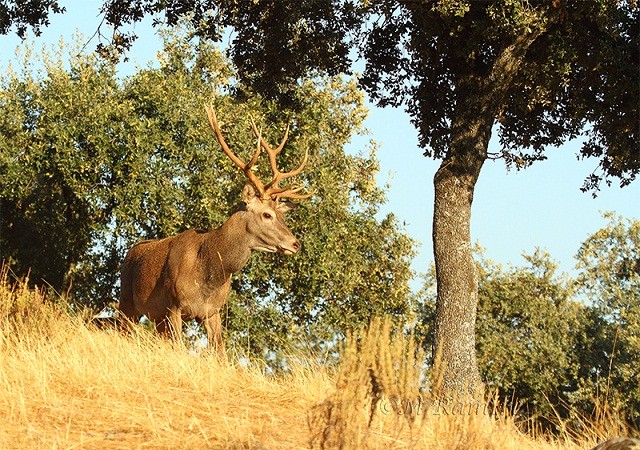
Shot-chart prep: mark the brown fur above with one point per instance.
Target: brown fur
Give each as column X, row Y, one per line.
column 188, row 276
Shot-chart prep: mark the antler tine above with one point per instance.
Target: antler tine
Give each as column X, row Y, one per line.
column 290, row 192
column 279, row 176
column 213, row 121
column 300, row 168
column 293, row 196
column 266, row 146
column 246, row 168
column 254, row 159
column 283, row 141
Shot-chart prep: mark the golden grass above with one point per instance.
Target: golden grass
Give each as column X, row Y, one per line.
column 66, row 384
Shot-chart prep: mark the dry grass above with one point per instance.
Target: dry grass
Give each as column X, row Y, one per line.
column 66, row 384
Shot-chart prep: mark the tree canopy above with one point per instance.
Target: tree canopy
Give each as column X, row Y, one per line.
column 27, row 15
column 575, row 62
column 609, row 278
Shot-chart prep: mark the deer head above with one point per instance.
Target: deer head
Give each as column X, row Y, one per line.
column 265, row 202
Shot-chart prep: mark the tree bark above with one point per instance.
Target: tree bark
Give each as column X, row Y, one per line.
column 456, row 275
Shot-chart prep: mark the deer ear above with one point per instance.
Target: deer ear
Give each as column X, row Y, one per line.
column 286, row 206
column 248, row 193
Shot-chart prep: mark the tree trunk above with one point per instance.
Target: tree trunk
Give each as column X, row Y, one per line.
column 479, row 100
column 457, row 280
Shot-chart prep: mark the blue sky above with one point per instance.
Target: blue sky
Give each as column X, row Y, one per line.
column 513, row 211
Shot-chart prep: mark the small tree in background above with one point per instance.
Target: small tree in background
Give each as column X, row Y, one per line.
column 609, row 278
column 528, row 325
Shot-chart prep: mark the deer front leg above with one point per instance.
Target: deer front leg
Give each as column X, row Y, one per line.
column 175, row 320
column 213, row 327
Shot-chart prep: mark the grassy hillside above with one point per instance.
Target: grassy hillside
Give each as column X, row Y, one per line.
column 66, row 384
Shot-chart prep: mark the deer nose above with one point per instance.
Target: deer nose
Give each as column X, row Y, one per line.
column 291, row 249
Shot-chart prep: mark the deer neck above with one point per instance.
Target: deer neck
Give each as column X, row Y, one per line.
column 228, row 247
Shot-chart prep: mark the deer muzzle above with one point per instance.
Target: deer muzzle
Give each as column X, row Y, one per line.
column 290, row 250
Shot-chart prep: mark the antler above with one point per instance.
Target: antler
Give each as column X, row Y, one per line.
column 245, row 167
column 270, row 190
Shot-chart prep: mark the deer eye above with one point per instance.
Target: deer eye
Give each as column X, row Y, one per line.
column 267, row 216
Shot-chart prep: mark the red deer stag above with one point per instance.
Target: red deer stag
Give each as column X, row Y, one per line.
column 188, row 276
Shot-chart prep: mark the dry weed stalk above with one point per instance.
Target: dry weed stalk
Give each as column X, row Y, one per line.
column 378, row 386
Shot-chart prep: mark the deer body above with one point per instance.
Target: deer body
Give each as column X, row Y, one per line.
column 188, row 276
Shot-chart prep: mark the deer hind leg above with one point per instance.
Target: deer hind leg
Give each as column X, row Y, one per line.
column 171, row 325
column 126, row 316
column 213, row 327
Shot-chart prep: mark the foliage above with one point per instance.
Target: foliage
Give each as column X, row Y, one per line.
column 609, row 263
column 576, row 74
column 22, row 15
column 326, row 290
column 90, row 164
column 56, row 152
column 563, row 56
column 528, row 325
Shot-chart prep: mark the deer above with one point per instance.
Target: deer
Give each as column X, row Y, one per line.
column 188, row 276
